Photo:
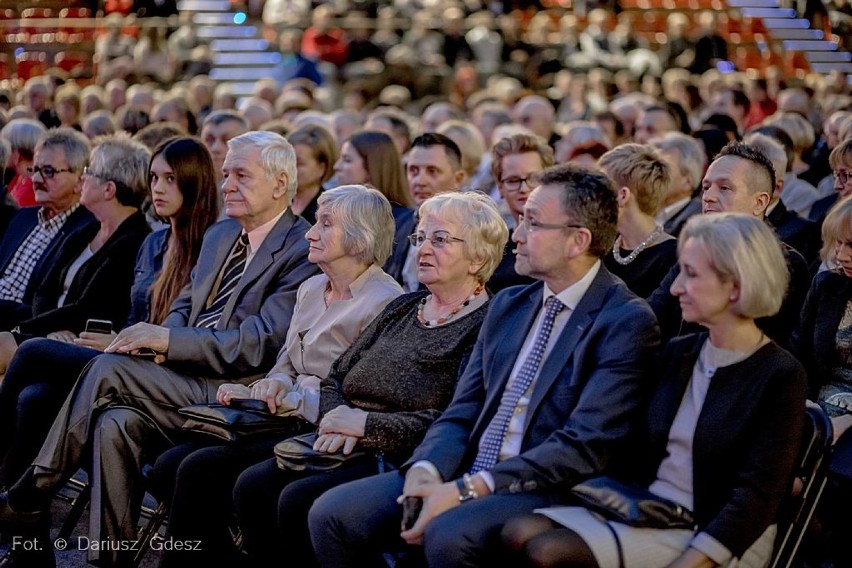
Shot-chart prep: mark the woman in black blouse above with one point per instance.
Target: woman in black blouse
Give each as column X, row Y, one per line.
column 643, row 253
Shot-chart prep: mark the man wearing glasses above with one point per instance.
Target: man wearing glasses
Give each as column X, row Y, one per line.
column 547, row 396
column 35, row 234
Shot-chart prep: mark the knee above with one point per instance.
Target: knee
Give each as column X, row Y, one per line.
column 518, row 531
column 33, row 398
column 324, row 516
column 120, row 423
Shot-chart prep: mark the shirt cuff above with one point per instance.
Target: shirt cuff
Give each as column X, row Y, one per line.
column 488, row 479
column 706, row 544
column 428, row 466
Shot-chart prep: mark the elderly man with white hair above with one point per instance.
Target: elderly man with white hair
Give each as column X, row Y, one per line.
column 226, row 326
column 537, row 113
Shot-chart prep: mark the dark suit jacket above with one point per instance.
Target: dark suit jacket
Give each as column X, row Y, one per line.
column 814, row 340
column 674, row 225
column 254, row 324
column 101, row 287
column 801, row 234
column 821, row 208
column 778, row 327
column 405, row 221
column 586, row 394
column 746, row 440
column 19, row 228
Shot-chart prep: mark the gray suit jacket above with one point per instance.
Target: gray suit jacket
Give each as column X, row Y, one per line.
column 589, row 390
column 255, row 321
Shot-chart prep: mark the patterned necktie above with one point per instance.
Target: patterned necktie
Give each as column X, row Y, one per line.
column 496, row 431
column 234, row 268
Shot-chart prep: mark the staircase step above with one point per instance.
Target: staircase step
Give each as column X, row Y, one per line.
column 829, row 67
column 207, row 18
column 241, row 73
column 204, row 6
column 227, row 31
column 246, row 58
column 797, row 34
column 753, row 3
column 785, row 23
column 768, row 13
column 809, row 45
column 223, row 45
column 828, row 56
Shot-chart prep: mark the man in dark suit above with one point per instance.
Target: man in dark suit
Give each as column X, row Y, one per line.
column 32, row 240
column 432, row 166
column 226, row 326
column 546, row 399
column 740, row 180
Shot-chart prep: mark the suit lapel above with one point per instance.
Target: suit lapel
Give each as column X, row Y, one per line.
column 209, row 270
column 262, row 260
column 576, row 327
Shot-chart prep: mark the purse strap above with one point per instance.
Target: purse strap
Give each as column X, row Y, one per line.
column 617, row 543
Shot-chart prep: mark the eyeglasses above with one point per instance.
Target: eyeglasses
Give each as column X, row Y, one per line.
column 47, row 172
column 843, row 176
column 513, row 184
column 438, row 240
column 531, row 226
column 89, row 173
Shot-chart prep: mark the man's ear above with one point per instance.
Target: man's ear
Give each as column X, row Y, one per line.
column 580, row 241
column 460, row 177
column 281, row 183
column 761, row 202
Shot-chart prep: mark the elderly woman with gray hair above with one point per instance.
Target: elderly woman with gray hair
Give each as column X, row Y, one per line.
column 349, row 242
column 382, row 394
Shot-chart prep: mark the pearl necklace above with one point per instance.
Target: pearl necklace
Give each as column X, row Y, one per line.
column 624, row 260
column 442, row 320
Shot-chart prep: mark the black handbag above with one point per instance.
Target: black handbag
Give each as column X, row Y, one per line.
column 298, row 454
column 631, row 504
column 241, row 418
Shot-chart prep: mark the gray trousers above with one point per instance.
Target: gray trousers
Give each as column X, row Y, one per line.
column 126, row 408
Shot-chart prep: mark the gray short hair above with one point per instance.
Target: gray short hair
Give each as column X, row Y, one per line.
column 689, row 150
column 75, row 145
column 124, row 162
column 367, row 220
column 276, row 156
column 99, row 123
column 22, row 135
column 772, row 149
column 743, row 248
column 484, row 231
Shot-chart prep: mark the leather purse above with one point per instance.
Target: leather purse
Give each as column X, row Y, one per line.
column 298, row 454
column 241, row 418
column 631, row 504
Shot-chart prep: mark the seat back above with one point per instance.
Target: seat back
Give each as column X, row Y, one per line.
column 809, row 482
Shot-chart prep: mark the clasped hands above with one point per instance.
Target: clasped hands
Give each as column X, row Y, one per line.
column 340, row 428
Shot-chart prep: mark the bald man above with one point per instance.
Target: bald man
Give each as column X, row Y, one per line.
column 537, row 114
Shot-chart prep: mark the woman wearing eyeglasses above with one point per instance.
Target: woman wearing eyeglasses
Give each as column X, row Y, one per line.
column 840, row 161
column 93, row 272
column 386, row 389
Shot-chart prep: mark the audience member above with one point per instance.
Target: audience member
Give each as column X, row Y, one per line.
column 840, row 161
column 642, row 253
column 22, row 134
column 92, row 271
column 259, row 256
column 43, row 371
column 32, row 242
column 723, row 428
column 564, row 427
column 350, row 241
column 686, row 159
column 316, row 154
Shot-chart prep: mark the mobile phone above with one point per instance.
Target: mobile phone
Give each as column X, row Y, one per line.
column 145, row 353
column 99, row 326
column 410, row 511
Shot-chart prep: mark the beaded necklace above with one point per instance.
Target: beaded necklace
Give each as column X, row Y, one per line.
column 624, row 260
column 444, row 319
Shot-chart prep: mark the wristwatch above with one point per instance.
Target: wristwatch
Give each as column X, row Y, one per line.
column 466, row 488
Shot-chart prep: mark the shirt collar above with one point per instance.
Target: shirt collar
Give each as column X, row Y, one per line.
column 257, row 235
column 57, row 219
column 572, row 295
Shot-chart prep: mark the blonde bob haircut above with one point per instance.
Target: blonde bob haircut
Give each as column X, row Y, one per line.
column 367, row 221
column 484, row 232
column 836, row 227
column 744, row 249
